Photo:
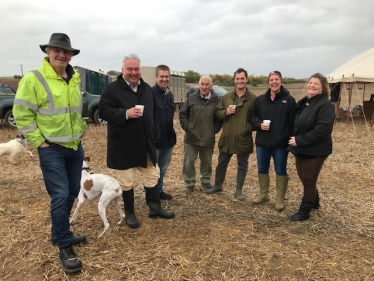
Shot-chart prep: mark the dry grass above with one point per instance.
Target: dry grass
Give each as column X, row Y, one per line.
column 213, row 237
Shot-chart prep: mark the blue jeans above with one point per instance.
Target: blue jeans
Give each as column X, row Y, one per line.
column 280, row 156
column 62, row 175
column 163, row 162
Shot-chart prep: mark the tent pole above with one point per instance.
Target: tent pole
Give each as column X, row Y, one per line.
column 363, row 96
column 337, row 112
column 350, row 102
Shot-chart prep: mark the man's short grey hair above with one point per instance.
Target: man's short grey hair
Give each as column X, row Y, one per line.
column 131, row 57
column 206, row 77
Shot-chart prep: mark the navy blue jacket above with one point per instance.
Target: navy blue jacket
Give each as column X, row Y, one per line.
column 278, row 112
column 165, row 111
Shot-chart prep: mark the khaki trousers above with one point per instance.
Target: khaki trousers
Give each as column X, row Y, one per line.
column 127, row 177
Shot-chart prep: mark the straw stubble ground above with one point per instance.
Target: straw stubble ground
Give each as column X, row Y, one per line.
column 213, row 237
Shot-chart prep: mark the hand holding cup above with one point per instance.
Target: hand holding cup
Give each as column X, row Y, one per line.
column 141, row 107
column 265, row 125
column 231, row 109
column 135, row 112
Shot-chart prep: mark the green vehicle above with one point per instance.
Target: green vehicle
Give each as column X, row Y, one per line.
column 92, row 84
column 7, row 95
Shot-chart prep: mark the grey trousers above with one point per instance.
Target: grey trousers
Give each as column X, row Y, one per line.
column 190, row 153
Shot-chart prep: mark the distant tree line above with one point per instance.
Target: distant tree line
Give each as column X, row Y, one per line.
column 228, row 80
column 113, row 73
column 224, row 79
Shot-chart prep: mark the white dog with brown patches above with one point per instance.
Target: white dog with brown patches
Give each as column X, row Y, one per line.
column 13, row 148
column 94, row 185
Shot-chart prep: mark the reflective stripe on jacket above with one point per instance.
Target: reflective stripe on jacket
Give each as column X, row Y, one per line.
column 46, row 108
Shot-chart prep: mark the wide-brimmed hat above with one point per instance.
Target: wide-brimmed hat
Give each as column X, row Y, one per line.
column 60, row 40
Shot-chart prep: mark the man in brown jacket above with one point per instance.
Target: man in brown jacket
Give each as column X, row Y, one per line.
column 236, row 137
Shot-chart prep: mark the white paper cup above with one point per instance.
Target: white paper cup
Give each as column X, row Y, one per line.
column 232, row 106
column 140, row 106
column 266, row 122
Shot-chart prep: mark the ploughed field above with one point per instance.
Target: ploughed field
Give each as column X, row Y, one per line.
column 213, row 237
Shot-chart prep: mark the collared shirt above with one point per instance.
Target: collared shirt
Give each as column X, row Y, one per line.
column 237, row 98
column 207, row 97
column 134, row 88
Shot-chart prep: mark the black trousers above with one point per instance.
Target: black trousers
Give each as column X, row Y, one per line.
column 308, row 170
column 224, row 160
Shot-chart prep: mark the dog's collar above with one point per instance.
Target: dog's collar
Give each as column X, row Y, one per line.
column 87, row 169
column 21, row 142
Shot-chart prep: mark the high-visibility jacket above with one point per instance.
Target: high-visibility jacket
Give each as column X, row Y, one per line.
column 46, row 108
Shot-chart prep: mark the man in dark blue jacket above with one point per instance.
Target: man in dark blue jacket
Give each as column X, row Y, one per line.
column 167, row 140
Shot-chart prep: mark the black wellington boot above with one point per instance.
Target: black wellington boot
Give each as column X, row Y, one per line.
column 152, row 197
column 303, row 212
column 316, row 204
column 128, row 202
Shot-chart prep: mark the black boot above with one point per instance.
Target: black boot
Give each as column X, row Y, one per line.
column 303, row 212
column 69, row 260
column 75, row 241
column 240, row 179
column 218, row 182
column 128, row 202
column 165, row 196
column 316, row 204
column 152, row 197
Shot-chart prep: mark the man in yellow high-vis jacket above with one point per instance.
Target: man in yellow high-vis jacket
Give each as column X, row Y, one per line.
column 48, row 112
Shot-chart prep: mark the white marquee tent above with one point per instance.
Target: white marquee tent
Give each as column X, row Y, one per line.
column 357, row 69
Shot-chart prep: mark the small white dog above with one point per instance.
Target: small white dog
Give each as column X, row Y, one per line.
column 94, row 185
column 14, row 147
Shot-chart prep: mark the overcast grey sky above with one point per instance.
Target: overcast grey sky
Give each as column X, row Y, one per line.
column 297, row 38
